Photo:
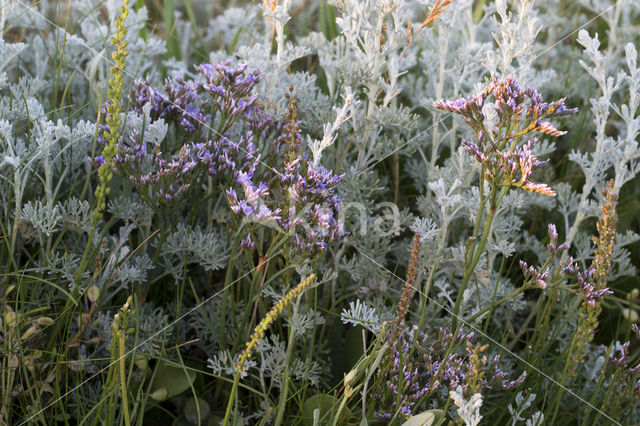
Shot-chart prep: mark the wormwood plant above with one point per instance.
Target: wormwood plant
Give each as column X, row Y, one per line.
column 211, row 225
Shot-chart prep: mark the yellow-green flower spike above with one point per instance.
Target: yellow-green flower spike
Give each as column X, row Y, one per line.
column 114, row 107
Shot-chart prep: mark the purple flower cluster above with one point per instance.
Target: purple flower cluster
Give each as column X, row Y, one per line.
column 253, row 205
column 553, row 246
column 230, row 88
column 301, row 200
column 531, row 273
column 217, row 156
column 305, row 204
column 587, row 288
column 498, row 378
column 519, row 113
column 419, row 366
column 540, row 276
column 313, row 204
column 623, row 359
column 570, row 267
column 622, row 362
column 510, row 168
column 178, row 106
column 307, row 210
column 512, row 104
column 197, row 152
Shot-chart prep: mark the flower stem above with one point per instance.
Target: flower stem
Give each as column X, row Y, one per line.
column 477, row 250
column 285, row 378
column 232, row 397
column 123, row 379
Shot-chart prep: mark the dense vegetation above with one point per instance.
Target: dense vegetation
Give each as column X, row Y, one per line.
column 301, row 212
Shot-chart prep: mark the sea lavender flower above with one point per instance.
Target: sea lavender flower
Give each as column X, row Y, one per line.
column 131, row 150
column 570, row 267
column 587, row 289
column 414, row 375
column 253, row 205
column 311, row 191
column 626, row 389
column 621, row 360
column 519, row 112
column 203, row 152
column 498, row 378
column 305, row 195
column 247, row 243
column 313, row 201
column 542, row 276
column 179, row 106
column 553, row 246
column 230, row 88
column 530, row 273
column 504, row 147
column 419, row 365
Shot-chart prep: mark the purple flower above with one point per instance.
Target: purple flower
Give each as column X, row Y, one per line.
column 230, row 88
column 178, row 106
column 570, row 267
column 253, row 206
column 553, row 247
column 622, row 360
column 548, row 129
column 531, row 273
column 197, row 150
column 247, row 243
column 265, row 214
column 553, row 233
column 587, row 289
column 497, row 378
column 520, row 112
column 421, row 365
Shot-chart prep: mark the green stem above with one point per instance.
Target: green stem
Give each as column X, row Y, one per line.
column 564, row 378
column 483, row 200
column 495, row 293
column 595, row 393
column 232, row 397
column 498, row 302
column 425, row 296
column 477, row 250
column 123, row 381
column 228, row 279
column 342, row 405
column 285, row 378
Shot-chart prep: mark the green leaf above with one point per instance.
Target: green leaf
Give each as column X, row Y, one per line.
column 376, row 361
column 191, row 411
column 174, row 379
column 159, row 394
column 328, row 406
column 426, row 418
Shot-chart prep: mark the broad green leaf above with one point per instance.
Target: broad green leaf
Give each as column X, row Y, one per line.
column 191, row 411
column 426, row 418
column 328, row 406
column 174, row 379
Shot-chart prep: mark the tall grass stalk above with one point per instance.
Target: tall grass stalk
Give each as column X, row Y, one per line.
column 257, row 334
